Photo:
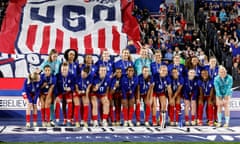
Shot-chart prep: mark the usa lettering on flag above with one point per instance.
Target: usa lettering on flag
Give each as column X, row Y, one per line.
column 88, row 27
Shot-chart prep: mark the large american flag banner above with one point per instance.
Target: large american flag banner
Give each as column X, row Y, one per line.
column 31, row 28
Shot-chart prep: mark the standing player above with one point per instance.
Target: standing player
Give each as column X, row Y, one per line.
column 70, row 56
column 162, row 88
column 193, row 63
column 83, row 85
column 65, row 87
column 144, row 90
column 129, row 84
column 116, row 95
column 47, row 90
column 223, row 86
column 31, row 92
column 190, row 93
column 177, row 82
column 206, row 93
column 176, row 64
column 101, row 89
column 157, row 63
column 125, row 62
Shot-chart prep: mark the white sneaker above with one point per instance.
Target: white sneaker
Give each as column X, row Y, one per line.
column 125, row 124
column 104, row 123
column 146, row 123
column 28, row 125
column 52, row 123
column 48, row 124
column 187, row 123
column 219, row 124
column 44, row 124
column 226, row 125
column 82, row 122
column 77, row 124
column 85, row 124
column 117, row 123
column 193, row 123
column 138, row 123
column 95, row 123
column 130, row 123
column 34, row 124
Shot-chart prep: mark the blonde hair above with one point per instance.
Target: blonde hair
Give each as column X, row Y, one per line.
column 221, row 67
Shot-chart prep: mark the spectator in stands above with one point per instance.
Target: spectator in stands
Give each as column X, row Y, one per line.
column 132, row 49
column 236, row 71
column 201, row 19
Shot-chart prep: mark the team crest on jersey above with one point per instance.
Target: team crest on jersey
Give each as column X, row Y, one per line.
column 105, row 83
column 69, row 81
column 132, row 82
column 87, row 82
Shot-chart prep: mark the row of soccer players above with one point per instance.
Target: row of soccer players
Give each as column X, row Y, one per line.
column 123, row 88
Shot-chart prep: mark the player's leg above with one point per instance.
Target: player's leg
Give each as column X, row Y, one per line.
column 147, row 103
column 94, row 103
column 219, row 102
column 106, row 105
column 76, row 101
column 193, row 111
column 186, row 111
column 226, row 110
column 154, row 111
column 163, row 103
column 43, row 112
column 85, row 101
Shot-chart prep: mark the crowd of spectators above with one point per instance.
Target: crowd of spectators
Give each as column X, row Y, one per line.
column 216, row 33
column 3, row 6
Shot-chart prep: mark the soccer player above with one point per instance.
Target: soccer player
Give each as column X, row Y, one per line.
column 101, row 85
column 190, row 93
column 157, row 63
column 47, row 90
column 206, row 93
column 142, row 61
column 124, row 62
column 31, row 92
column 65, row 87
column 145, row 91
column 107, row 62
column 71, row 57
column 193, row 63
column 129, row 84
column 83, row 85
column 223, row 86
column 161, row 88
column 116, row 95
column 176, row 64
column 177, row 82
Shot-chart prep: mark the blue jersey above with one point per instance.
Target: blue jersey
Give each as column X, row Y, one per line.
column 74, row 69
column 102, row 83
column 123, row 65
column 82, row 84
column 198, row 70
column 50, row 80
column 175, row 83
column 93, row 70
column 206, row 86
column 108, row 64
column 129, row 86
column 113, row 82
column 161, row 83
column 180, row 68
column 65, row 82
column 155, row 67
column 190, row 88
column 144, row 84
column 212, row 72
column 32, row 90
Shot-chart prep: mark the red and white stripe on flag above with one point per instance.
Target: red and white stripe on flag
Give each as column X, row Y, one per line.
column 87, row 26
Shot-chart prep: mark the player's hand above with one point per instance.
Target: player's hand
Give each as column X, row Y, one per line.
column 68, row 89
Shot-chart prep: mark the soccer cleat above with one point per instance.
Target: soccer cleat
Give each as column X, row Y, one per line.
column 215, row 122
column 172, row 124
column 219, row 124
column 48, row 124
column 34, row 124
column 138, row 123
column 64, row 122
column 77, row 124
column 104, row 123
column 193, row 123
column 95, row 123
column 85, row 124
column 82, row 123
column 176, row 124
column 187, row 123
column 200, row 123
column 210, row 123
column 130, row 123
column 52, row 123
column 226, row 125
column 146, row 124
column 28, row 125
column 44, row 124
column 117, row 123
column 125, row 124
column 113, row 124
column 154, row 124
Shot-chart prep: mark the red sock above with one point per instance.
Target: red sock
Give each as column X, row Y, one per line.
column 57, row 111
column 69, row 116
column 76, row 112
column 94, row 117
column 210, row 111
column 82, row 111
column 43, row 114
column 111, row 114
column 34, row 117
column 118, row 112
column 147, row 112
column 178, row 109
column 154, row 119
column 125, row 113
column 104, row 116
column 200, row 112
column 130, row 113
column 138, row 112
column 186, row 118
column 193, row 117
column 215, row 112
column 100, row 106
column 171, row 113
column 47, row 111
column 85, row 113
column 28, row 118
